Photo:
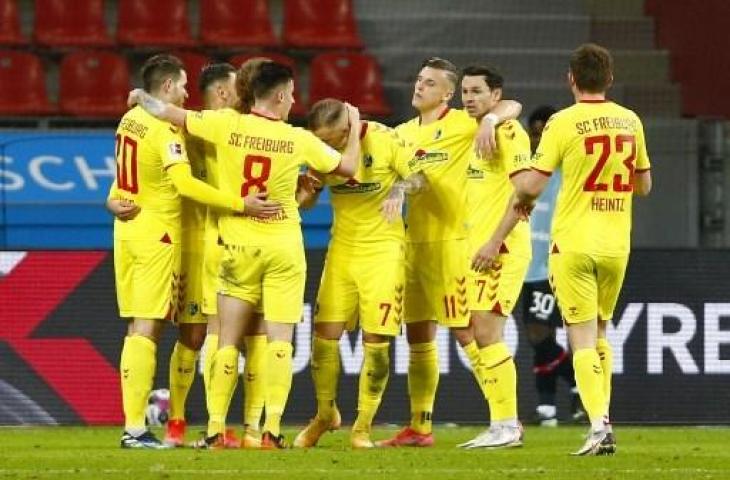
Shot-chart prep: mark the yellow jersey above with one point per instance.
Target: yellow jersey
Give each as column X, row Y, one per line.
column 356, row 201
column 490, row 189
column 261, row 154
column 194, row 213
column 144, row 148
column 599, row 146
column 444, row 152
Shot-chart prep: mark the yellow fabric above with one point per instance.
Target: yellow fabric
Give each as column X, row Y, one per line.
column 145, row 150
column 259, row 154
column 445, row 148
column 325, row 374
column 356, row 202
column 437, row 282
column 501, row 381
column 365, row 286
column 593, row 208
column 254, row 380
column 373, row 380
column 212, row 254
column 273, row 274
column 490, row 189
column 201, row 192
column 590, row 382
column 147, row 278
column 182, row 374
column 194, row 213
column 423, row 380
column 137, row 369
column 210, row 346
column 278, row 383
column 191, row 281
column 498, row 289
column 224, row 377
column 586, row 287
column 477, row 367
column 605, row 354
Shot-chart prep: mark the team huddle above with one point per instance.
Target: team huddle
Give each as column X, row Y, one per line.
column 207, row 235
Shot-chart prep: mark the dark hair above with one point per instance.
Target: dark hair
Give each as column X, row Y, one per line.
column 214, row 72
column 592, row 68
column 159, row 68
column 452, row 73
column 541, row 114
column 324, row 113
column 244, row 75
column 491, row 76
column 267, row 77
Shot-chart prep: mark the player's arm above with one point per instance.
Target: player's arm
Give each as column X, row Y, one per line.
column 642, row 183
column 121, row 208
column 642, row 175
column 351, row 155
column 309, row 187
column 485, row 257
column 157, row 108
column 392, row 206
column 486, row 142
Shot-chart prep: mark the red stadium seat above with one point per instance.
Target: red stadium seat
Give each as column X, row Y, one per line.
column 221, row 23
column 158, row 23
column 320, row 24
column 10, row 33
column 194, row 63
column 300, row 108
column 352, row 77
column 81, row 26
column 94, row 84
column 22, row 84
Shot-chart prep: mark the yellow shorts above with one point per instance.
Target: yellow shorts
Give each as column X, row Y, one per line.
column 498, row 289
column 274, row 275
column 436, row 282
column 212, row 254
column 147, row 275
column 191, row 281
column 365, row 287
column 586, row 286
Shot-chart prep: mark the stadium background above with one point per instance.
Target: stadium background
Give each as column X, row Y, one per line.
column 59, row 332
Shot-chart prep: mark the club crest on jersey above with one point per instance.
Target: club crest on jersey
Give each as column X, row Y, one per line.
column 193, row 309
column 175, row 149
column 367, row 160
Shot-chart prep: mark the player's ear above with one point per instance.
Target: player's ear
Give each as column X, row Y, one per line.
column 497, row 93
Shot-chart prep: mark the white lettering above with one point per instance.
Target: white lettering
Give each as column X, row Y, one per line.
column 351, row 355
column 618, row 334
column 89, row 175
column 303, row 340
column 714, row 337
column 12, row 181
column 657, row 340
column 34, row 167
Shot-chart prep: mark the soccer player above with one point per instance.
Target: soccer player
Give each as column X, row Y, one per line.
column 541, row 314
column 495, row 235
column 600, row 148
column 153, row 173
column 437, row 260
column 363, row 277
column 263, row 261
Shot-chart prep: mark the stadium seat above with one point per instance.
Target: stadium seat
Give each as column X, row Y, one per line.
column 300, row 108
column 352, row 77
column 320, row 24
column 94, row 84
column 57, row 25
column 22, row 84
column 221, row 26
column 194, row 63
column 10, row 33
column 159, row 23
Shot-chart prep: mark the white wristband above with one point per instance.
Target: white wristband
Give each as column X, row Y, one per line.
column 492, row 117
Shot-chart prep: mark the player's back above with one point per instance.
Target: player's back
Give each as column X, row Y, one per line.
column 599, row 147
column 145, row 147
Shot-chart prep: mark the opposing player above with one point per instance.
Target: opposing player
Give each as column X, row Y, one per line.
column 600, row 148
column 500, row 259
column 263, row 261
column 153, row 173
column 437, row 259
column 363, row 277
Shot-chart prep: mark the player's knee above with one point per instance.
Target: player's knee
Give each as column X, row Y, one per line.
column 193, row 335
column 369, row 337
column 536, row 333
column 463, row 335
column 421, row 332
column 329, row 330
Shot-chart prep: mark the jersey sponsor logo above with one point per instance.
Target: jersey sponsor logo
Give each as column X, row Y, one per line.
column 422, row 158
column 353, row 186
column 474, row 173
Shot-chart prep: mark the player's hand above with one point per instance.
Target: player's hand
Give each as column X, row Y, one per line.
column 122, row 208
column 257, row 205
column 353, row 115
column 309, row 183
column 392, row 206
column 486, row 257
column 486, row 140
column 134, row 97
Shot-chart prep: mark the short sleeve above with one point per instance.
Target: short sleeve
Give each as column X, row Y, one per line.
column 318, row 155
column 547, row 157
column 514, row 148
column 172, row 147
column 642, row 157
column 210, row 125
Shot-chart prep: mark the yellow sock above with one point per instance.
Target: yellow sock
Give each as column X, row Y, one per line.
column 278, row 383
column 209, row 348
column 254, row 380
column 423, row 380
column 182, row 373
column 501, row 382
column 325, row 374
column 605, row 353
column 137, row 368
column 589, row 380
column 373, row 379
column 477, row 367
column 224, row 377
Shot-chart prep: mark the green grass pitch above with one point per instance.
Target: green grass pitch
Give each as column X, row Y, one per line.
column 655, row 453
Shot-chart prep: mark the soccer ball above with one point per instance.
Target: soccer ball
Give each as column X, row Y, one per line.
column 158, row 407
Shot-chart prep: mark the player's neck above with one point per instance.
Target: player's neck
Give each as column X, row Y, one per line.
column 265, row 110
column 433, row 115
column 589, row 97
